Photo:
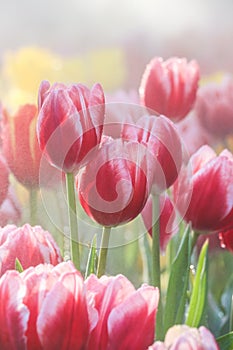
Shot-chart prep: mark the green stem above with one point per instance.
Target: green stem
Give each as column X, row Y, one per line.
column 33, row 206
column 156, row 277
column 74, row 243
column 103, row 251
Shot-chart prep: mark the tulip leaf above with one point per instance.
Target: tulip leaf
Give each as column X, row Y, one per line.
column 92, row 256
column 199, row 293
column 225, row 342
column 18, row 265
column 178, row 284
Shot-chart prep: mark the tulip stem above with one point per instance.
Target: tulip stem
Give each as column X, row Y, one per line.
column 103, row 251
column 156, row 278
column 33, row 206
column 74, row 242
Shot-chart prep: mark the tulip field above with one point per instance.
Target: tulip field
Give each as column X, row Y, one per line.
column 116, row 211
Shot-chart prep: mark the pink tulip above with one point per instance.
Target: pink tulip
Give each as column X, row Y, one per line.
column 44, row 308
column 126, row 316
column 193, row 134
column 184, row 337
column 4, row 179
column 70, row 123
column 204, row 191
column 31, row 245
column 114, row 186
column 169, row 87
column 166, row 216
column 214, row 107
column 10, row 210
column 161, row 139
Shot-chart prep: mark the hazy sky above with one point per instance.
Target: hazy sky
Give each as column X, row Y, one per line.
column 200, row 28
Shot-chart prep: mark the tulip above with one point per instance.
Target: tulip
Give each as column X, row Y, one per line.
column 4, row 179
column 214, row 107
column 226, row 240
column 70, row 123
column 193, row 134
column 184, row 337
column 45, row 308
column 204, row 191
column 160, row 137
column 114, row 186
column 169, row 87
column 21, row 147
column 10, row 210
column 126, row 316
column 166, row 216
column 30, row 245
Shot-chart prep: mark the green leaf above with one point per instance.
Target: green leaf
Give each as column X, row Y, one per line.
column 92, row 256
column 225, row 342
column 199, row 292
column 178, row 283
column 18, row 266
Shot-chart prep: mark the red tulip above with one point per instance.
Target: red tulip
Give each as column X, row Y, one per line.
column 204, row 191
column 214, row 107
column 70, row 123
column 226, row 240
column 184, row 337
column 4, row 179
column 160, row 137
column 31, row 245
column 166, row 216
column 21, row 148
column 169, row 87
column 126, row 316
column 114, row 186
column 44, row 308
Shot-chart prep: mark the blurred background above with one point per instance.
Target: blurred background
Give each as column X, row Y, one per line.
column 107, row 41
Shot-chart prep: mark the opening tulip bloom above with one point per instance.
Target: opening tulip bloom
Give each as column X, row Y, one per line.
column 169, row 87
column 160, row 137
column 114, row 186
column 44, row 308
column 70, row 123
column 30, row 245
column 126, row 316
column 184, row 337
column 204, row 191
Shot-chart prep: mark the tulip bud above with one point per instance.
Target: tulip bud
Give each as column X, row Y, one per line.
column 169, row 87
column 70, row 123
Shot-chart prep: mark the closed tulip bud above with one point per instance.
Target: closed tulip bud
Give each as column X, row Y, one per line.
column 169, row 87
column 30, row 245
column 162, row 141
column 214, row 107
column 203, row 192
column 70, row 123
column 114, row 186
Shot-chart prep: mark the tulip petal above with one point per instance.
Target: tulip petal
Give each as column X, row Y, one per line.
column 132, row 318
column 14, row 314
column 68, row 327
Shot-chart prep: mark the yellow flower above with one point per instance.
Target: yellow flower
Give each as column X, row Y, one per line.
column 26, row 68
